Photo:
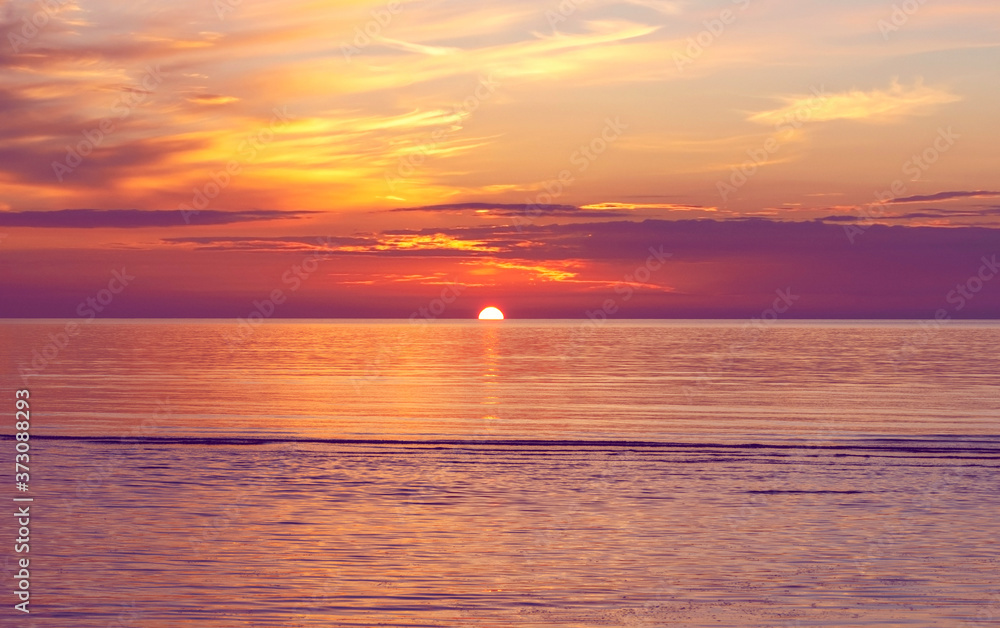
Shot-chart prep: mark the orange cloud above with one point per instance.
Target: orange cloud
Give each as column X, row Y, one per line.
column 877, row 105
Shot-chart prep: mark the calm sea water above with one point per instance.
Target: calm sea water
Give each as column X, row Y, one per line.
column 523, row 473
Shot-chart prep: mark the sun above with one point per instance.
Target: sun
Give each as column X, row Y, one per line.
column 491, row 314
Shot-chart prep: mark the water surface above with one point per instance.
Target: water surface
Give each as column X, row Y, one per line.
column 526, row 473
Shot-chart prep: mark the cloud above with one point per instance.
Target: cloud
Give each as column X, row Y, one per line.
column 274, row 243
column 635, row 206
column 136, row 218
column 428, row 243
column 521, row 209
column 877, row 105
column 212, row 99
column 611, row 209
column 922, row 214
column 703, row 269
column 35, row 143
column 594, row 241
column 401, row 104
column 944, row 196
column 840, row 218
column 434, row 51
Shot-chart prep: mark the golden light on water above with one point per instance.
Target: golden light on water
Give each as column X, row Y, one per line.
column 491, row 314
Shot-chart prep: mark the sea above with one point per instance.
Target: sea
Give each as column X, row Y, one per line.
column 504, row 473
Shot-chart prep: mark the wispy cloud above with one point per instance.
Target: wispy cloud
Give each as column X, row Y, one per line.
column 612, row 206
column 945, row 196
column 592, row 210
column 212, row 99
column 944, row 216
column 514, row 209
column 434, row 51
column 136, row 218
column 260, row 243
column 879, row 105
column 406, row 106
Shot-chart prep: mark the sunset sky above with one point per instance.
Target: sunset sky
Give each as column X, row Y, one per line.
column 647, row 158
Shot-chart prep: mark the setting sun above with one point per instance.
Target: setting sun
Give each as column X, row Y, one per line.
column 491, row 314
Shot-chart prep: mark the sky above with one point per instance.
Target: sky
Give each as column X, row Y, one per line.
column 574, row 159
